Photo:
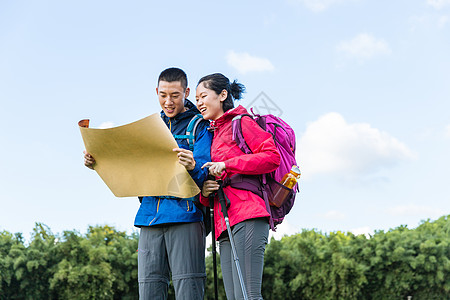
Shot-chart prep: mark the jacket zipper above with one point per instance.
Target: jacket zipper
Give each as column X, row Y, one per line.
column 157, row 209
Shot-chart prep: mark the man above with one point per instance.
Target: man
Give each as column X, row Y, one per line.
column 172, row 237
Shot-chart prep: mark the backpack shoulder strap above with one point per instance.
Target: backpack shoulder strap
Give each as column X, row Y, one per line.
column 238, row 136
column 193, row 124
column 191, row 130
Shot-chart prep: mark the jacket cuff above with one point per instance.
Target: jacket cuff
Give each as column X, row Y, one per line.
column 204, row 200
column 196, row 175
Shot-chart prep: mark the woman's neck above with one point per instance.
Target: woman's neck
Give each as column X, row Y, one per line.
column 220, row 114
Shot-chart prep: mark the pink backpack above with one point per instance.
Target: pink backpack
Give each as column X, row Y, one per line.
column 267, row 186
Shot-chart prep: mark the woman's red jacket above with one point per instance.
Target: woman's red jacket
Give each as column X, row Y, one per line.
column 265, row 158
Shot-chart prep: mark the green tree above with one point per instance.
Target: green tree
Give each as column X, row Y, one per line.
column 311, row 265
column 9, row 285
column 99, row 265
column 406, row 262
column 28, row 269
column 102, row 264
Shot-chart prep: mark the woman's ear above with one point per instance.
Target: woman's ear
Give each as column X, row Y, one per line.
column 223, row 95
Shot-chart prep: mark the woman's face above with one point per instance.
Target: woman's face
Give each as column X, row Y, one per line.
column 209, row 103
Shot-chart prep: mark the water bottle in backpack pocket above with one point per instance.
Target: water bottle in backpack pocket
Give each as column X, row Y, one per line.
column 279, row 192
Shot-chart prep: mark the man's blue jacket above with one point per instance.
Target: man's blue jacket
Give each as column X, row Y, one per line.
column 159, row 210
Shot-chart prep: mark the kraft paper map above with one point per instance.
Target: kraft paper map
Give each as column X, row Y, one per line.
column 136, row 159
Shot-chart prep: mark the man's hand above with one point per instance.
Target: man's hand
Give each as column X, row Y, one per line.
column 209, row 186
column 215, row 168
column 186, row 158
column 89, row 161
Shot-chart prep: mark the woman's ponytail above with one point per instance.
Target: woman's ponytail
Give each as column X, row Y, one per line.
column 236, row 90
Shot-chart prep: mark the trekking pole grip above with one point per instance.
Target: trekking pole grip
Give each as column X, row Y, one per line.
column 223, row 199
column 213, row 194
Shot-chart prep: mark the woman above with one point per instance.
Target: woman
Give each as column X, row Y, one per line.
column 247, row 211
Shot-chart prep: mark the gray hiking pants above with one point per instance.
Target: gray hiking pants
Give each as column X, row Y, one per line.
column 178, row 249
column 250, row 238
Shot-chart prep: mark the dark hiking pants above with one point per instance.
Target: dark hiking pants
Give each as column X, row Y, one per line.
column 250, row 237
column 178, row 249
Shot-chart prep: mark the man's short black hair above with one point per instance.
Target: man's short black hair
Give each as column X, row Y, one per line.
column 173, row 74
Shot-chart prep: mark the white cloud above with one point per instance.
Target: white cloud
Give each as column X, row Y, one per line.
column 438, row 4
column 105, row 125
column 319, row 5
column 412, row 210
column 245, row 63
column 283, row 229
column 364, row 46
column 331, row 145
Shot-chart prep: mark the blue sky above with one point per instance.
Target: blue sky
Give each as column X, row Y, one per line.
column 365, row 85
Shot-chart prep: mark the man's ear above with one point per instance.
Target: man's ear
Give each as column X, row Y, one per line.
column 186, row 93
column 156, row 90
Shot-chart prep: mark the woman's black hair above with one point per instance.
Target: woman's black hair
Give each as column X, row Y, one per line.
column 218, row 82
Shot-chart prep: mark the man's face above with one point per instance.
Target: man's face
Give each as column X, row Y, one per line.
column 171, row 97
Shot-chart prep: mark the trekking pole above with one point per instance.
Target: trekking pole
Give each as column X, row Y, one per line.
column 224, row 202
column 213, row 239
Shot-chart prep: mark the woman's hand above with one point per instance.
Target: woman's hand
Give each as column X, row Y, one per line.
column 209, row 186
column 89, row 161
column 186, row 158
column 215, row 168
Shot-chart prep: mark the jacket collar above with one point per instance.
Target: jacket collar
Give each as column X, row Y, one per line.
column 228, row 116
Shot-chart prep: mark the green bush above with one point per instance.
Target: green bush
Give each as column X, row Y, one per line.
column 102, row 264
column 395, row 264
